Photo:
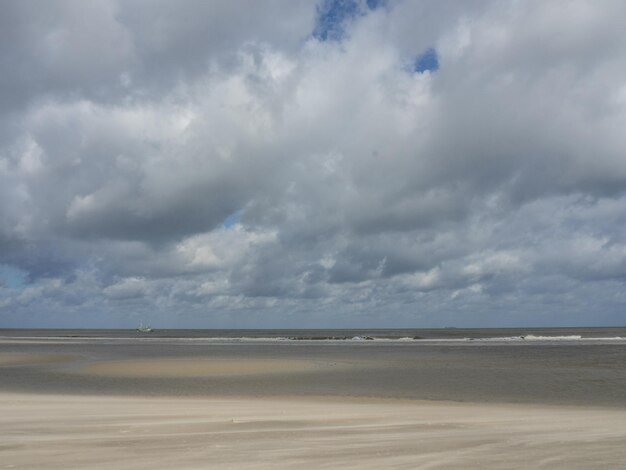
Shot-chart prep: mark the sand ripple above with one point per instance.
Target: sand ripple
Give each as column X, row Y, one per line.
column 60, row 432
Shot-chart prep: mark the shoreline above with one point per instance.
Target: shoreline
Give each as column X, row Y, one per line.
column 320, row 399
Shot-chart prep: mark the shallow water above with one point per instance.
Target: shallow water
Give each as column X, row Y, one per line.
column 553, row 371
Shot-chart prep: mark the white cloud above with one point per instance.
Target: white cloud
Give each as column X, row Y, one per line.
column 358, row 184
column 127, row 288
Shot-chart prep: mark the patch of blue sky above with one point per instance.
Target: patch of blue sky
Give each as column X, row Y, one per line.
column 427, row 61
column 11, row 277
column 373, row 4
column 332, row 16
column 232, row 219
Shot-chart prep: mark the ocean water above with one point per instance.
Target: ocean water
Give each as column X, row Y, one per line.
column 561, row 366
column 404, row 334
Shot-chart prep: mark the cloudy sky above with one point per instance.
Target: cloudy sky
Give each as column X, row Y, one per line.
column 292, row 163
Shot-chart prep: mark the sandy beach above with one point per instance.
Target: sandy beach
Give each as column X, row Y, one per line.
column 168, row 403
column 58, row 432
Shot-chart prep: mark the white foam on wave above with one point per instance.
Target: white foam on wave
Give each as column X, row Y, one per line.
column 522, row 338
column 357, row 339
column 548, row 338
column 551, row 338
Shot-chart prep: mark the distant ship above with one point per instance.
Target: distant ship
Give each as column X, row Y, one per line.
column 144, row 328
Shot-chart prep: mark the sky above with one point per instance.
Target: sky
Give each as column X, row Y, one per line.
column 292, row 163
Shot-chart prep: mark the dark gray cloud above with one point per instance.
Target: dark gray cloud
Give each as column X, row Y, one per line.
column 488, row 191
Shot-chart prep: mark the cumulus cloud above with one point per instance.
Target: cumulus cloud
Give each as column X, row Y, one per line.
column 343, row 163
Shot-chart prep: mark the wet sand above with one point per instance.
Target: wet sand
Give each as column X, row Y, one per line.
column 555, row 374
column 24, row 359
column 202, row 367
column 58, row 432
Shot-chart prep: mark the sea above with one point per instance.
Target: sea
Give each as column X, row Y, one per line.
column 380, row 334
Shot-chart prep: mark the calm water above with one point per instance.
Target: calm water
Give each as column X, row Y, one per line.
column 321, row 334
column 561, row 369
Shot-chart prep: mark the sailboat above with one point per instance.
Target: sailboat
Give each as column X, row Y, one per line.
column 144, row 328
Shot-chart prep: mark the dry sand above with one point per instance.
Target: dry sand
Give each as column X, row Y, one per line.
column 64, row 431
